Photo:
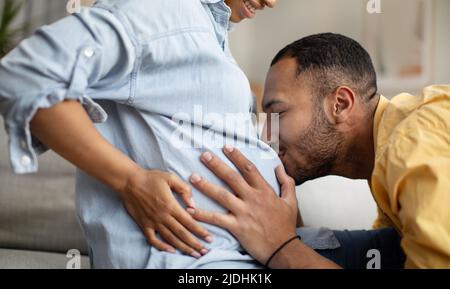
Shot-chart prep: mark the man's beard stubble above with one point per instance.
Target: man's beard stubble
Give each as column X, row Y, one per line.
column 321, row 145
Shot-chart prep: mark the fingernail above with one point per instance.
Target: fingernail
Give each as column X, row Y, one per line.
column 196, row 254
column 191, row 211
column 204, row 251
column 195, row 178
column 228, row 148
column 208, row 239
column 207, row 156
column 171, row 250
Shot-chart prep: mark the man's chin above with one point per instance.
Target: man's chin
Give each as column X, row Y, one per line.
column 301, row 176
column 300, row 180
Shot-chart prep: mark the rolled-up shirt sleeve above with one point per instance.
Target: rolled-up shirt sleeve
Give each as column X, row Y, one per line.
column 60, row 62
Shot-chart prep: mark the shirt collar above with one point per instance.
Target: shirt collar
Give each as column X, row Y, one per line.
column 221, row 12
column 381, row 107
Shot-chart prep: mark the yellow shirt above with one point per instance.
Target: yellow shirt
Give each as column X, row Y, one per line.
column 411, row 177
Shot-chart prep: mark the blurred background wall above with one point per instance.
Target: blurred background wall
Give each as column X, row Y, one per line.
column 414, row 30
column 35, row 13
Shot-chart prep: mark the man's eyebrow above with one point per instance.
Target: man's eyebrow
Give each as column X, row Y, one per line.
column 268, row 104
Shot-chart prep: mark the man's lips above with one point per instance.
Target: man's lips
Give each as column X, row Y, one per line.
column 281, row 156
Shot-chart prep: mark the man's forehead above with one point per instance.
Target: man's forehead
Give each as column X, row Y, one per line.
column 282, row 83
column 286, row 68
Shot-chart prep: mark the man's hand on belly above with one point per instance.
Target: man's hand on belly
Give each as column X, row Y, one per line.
column 258, row 218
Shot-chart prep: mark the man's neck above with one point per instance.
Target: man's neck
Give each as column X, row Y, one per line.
column 358, row 159
column 362, row 155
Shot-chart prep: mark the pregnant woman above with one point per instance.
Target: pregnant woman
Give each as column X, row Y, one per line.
column 130, row 66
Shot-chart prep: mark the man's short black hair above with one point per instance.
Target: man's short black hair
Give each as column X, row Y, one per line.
column 332, row 60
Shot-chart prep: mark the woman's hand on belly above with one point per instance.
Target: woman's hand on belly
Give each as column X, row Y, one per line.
column 149, row 200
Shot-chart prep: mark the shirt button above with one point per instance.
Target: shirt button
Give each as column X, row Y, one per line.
column 23, row 144
column 25, row 161
column 89, row 52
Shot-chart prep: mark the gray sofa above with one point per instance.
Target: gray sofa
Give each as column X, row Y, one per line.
column 38, row 222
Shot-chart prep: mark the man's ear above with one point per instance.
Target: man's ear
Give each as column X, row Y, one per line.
column 340, row 104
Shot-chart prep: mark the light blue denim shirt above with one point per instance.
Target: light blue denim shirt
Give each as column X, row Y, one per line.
column 134, row 65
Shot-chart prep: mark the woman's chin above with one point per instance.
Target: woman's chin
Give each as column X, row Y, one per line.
column 239, row 19
column 247, row 13
column 236, row 19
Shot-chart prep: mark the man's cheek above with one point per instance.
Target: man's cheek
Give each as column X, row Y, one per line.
column 287, row 135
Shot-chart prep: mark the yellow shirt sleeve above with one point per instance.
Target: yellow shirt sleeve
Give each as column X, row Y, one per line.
column 382, row 221
column 418, row 180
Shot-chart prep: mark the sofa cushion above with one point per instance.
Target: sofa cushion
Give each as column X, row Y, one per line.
column 23, row 259
column 37, row 211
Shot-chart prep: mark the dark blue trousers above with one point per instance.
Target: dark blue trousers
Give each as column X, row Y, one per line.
column 376, row 248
